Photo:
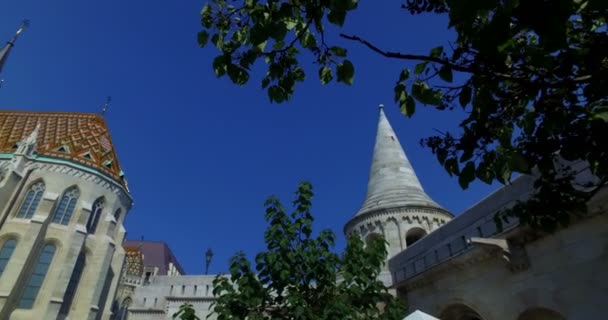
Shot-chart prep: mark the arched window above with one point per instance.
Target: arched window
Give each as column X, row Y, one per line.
column 31, row 201
column 413, row 235
column 117, row 214
column 66, row 206
column 95, row 214
column 37, row 277
column 459, row 312
column 70, row 292
column 5, row 253
column 123, row 314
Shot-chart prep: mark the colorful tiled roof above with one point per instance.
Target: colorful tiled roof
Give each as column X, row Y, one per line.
column 155, row 254
column 134, row 262
column 79, row 137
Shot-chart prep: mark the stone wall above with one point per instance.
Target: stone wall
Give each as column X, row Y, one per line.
column 162, row 296
column 104, row 255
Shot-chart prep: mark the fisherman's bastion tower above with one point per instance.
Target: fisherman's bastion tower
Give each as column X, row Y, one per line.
column 396, row 207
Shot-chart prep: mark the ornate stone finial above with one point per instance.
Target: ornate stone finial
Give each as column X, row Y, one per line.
column 24, row 25
column 33, row 137
column 27, row 146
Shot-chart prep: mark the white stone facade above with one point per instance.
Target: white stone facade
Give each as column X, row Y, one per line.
column 162, row 296
column 470, row 270
column 97, row 240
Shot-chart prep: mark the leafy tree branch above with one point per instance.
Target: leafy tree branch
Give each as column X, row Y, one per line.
column 532, row 93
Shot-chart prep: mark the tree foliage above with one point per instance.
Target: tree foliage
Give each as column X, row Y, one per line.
column 534, row 72
column 299, row 277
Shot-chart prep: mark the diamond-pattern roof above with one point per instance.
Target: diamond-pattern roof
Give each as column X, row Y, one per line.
column 80, row 137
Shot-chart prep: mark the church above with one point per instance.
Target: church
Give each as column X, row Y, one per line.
column 63, row 253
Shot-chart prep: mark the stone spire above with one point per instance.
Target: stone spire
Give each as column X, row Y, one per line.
column 392, row 181
column 4, row 52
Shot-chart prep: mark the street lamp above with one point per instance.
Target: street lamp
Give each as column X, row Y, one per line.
column 208, row 257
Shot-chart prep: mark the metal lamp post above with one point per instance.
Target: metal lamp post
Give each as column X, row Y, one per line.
column 208, row 257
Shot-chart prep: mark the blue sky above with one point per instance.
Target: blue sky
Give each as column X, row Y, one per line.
column 201, row 155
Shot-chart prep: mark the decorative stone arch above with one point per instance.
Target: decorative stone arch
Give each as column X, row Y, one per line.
column 414, row 234
column 64, row 214
column 123, row 311
column 10, row 236
column 459, row 311
column 97, row 211
column 37, row 187
column 54, row 241
column 540, row 313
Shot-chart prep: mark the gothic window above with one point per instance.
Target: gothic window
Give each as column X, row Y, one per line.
column 68, row 297
column 37, row 277
column 124, row 309
column 95, row 215
column 31, row 201
column 66, row 206
column 117, row 214
column 5, row 253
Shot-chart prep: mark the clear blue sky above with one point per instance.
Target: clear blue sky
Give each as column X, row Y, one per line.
column 201, row 155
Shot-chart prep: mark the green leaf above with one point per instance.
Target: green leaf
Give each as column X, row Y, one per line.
column 325, row 75
column 219, row 65
column 451, row 166
column 600, row 113
column 465, row 96
column 346, row 72
column 442, row 154
column 308, row 41
column 436, row 52
column 290, row 24
column 409, row 106
column 338, row 51
column 420, row 67
column 337, row 17
column 202, row 38
column 418, row 89
column 467, row 175
column 276, row 94
column 518, row 163
column 237, row 75
column 445, row 73
column 404, row 75
column 400, row 93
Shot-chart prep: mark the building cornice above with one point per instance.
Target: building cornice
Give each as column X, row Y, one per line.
column 399, row 211
column 49, row 164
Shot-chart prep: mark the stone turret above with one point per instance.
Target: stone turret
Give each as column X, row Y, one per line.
column 396, row 205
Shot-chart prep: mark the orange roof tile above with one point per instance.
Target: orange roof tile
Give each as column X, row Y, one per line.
column 79, row 137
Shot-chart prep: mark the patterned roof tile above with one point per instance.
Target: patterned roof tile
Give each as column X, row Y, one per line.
column 65, row 135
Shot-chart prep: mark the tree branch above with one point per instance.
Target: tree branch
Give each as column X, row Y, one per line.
column 403, row 56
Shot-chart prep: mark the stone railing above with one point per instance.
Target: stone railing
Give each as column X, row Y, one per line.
column 132, row 280
column 452, row 239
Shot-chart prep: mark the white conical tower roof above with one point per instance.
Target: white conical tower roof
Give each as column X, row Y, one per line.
column 392, row 180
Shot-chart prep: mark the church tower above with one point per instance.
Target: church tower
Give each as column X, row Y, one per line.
column 396, row 205
column 6, row 50
column 63, row 201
